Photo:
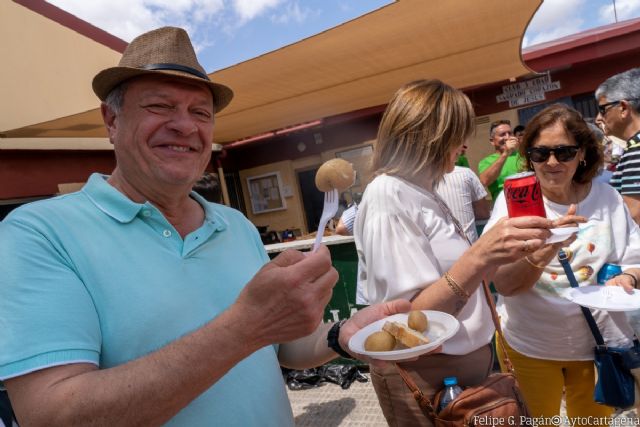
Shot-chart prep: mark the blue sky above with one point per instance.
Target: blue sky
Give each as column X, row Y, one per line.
column 226, row 32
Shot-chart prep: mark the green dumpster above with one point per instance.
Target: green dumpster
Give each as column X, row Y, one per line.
column 345, row 260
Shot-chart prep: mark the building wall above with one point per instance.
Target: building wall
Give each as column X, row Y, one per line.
column 312, row 157
column 29, row 173
column 51, row 67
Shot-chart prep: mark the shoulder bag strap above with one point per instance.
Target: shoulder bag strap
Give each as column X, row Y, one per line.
column 425, row 404
column 487, row 292
column 562, row 257
column 423, row 401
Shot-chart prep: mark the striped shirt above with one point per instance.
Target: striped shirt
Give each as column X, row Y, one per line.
column 626, row 178
column 349, row 217
column 459, row 189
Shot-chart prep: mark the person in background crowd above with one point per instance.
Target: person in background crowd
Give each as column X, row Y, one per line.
column 462, row 157
column 518, row 132
column 209, row 187
column 135, row 301
column 466, row 197
column 410, row 246
column 348, row 217
column 604, row 175
column 619, row 113
column 547, row 337
column 503, row 162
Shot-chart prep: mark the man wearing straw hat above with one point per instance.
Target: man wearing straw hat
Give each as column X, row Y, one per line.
column 136, row 302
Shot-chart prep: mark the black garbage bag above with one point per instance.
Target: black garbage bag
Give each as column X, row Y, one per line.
column 343, row 375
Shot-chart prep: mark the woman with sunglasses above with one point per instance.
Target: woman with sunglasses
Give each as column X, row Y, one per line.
column 549, row 342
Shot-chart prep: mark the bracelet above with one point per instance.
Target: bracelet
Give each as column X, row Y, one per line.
column 332, row 340
column 455, row 287
column 534, row 264
column 635, row 279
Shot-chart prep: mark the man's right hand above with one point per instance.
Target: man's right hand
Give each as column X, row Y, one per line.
column 511, row 144
column 286, row 299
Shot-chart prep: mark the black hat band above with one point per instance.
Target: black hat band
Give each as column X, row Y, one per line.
column 175, row 67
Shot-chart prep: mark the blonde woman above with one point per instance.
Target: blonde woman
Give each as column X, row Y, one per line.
column 408, row 246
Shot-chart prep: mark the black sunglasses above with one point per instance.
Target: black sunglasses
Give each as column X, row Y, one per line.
column 562, row 153
column 602, row 108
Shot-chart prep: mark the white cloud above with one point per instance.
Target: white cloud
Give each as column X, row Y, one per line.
column 554, row 19
column 292, row 13
column 249, row 9
column 129, row 18
column 625, row 9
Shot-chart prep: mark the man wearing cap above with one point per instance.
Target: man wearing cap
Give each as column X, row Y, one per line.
column 136, row 302
column 618, row 100
column 505, row 161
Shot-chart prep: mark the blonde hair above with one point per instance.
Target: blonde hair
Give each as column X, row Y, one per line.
column 424, row 121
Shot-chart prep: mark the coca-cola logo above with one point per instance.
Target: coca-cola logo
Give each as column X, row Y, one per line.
column 521, row 194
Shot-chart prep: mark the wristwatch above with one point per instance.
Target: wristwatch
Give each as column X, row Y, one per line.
column 332, row 340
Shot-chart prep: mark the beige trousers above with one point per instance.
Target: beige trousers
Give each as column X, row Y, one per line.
column 428, row 372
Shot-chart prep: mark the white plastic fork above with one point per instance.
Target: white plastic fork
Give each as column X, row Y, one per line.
column 328, row 211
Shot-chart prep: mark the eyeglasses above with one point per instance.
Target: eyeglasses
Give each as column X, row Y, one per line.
column 562, row 153
column 602, row 108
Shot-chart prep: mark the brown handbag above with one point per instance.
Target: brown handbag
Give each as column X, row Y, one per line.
column 497, row 401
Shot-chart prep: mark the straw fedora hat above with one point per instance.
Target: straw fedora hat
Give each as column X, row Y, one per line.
column 166, row 51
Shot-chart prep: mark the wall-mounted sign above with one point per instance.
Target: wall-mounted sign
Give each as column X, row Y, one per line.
column 265, row 192
column 528, row 91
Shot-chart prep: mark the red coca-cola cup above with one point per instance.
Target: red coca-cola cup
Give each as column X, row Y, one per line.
column 524, row 196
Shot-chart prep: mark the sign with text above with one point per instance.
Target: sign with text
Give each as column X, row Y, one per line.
column 528, row 91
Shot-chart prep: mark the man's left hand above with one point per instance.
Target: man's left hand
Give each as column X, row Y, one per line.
column 369, row 315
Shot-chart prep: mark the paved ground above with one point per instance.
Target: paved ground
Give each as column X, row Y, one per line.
column 331, row 406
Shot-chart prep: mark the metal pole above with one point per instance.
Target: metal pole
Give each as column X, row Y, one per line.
column 615, row 13
column 223, row 186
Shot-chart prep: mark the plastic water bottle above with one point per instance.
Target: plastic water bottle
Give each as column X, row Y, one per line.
column 451, row 391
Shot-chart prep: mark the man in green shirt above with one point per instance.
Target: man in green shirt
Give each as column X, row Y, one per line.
column 505, row 161
column 462, row 158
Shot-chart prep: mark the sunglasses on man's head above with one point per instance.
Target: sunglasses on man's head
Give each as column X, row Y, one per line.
column 562, row 153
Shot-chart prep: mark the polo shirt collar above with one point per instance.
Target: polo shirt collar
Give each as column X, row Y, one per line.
column 211, row 214
column 109, row 200
column 118, row 206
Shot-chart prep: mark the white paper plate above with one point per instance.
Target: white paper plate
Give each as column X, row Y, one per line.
column 561, row 233
column 442, row 326
column 608, row 298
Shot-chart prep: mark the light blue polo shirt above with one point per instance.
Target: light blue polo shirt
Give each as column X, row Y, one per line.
column 94, row 277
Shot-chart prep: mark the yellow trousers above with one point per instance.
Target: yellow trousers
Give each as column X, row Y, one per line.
column 543, row 381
